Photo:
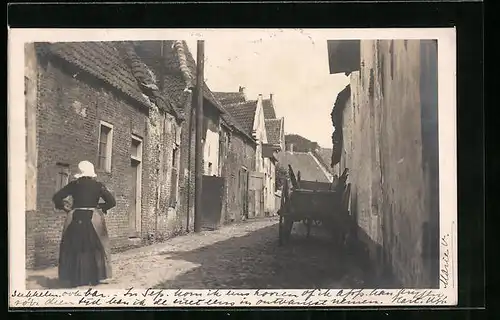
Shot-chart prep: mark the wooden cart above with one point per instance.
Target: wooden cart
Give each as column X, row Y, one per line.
column 329, row 208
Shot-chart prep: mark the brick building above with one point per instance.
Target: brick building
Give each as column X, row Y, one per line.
column 275, row 132
column 309, row 166
column 99, row 102
column 251, row 115
column 237, row 163
column 386, row 133
column 228, row 149
column 324, row 156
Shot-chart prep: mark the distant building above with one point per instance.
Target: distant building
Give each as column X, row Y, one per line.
column 228, row 150
column 97, row 101
column 386, row 133
column 310, row 168
column 250, row 114
column 324, row 155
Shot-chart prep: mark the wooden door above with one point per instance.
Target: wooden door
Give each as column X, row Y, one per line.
column 211, row 200
column 245, row 192
column 256, row 191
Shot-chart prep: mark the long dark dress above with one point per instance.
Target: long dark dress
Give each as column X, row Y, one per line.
column 83, row 256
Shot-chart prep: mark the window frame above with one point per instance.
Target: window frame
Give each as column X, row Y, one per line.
column 109, row 146
column 138, row 139
column 174, row 181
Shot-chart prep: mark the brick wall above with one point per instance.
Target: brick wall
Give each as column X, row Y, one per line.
column 70, row 107
column 31, row 147
column 172, row 218
column 187, row 172
column 384, row 147
column 241, row 154
column 161, row 218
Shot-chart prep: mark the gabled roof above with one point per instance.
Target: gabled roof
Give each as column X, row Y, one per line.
column 103, row 60
column 269, row 112
column 207, row 93
column 148, row 80
column 325, row 156
column 179, row 71
column 191, row 72
column 230, row 97
column 274, row 130
column 243, row 113
column 305, row 163
column 232, row 122
column 180, row 76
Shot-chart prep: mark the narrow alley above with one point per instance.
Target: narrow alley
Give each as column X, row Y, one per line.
column 126, row 159
column 244, row 255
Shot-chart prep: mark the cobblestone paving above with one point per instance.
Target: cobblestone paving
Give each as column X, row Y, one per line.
column 244, row 255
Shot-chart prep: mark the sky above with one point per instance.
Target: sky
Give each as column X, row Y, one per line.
column 294, row 69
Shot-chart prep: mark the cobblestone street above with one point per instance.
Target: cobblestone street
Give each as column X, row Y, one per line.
column 242, row 256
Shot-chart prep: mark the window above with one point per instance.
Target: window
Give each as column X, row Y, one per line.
column 174, row 178
column 62, row 178
column 105, row 146
column 136, row 148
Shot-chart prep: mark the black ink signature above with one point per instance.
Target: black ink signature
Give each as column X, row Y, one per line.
column 410, row 296
column 444, row 274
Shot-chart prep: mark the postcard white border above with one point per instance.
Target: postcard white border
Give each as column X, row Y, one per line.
column 447, row 144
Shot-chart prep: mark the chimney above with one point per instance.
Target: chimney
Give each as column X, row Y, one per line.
column 241, row 90
column 271, row 97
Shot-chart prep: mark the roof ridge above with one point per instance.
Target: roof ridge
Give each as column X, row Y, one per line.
column 235, row 92
column 141, row 71
column 327, row 174
column 240, row 103
column 180, row 49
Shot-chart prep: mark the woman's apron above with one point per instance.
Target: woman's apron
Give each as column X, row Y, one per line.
column 99, row 224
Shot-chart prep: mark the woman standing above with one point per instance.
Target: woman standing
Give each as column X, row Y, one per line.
column 83, row 254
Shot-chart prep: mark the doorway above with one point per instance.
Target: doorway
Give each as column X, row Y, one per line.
column 256, row 183
column 135, row 211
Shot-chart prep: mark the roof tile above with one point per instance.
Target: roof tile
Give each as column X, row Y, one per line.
column 269, row 112
column 243, row 113
column 303, row 162
column 103, row 60
column 273, row 130
column 230, row 97
column 325, row 156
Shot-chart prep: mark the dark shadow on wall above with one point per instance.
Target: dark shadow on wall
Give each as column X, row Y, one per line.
column 376, row 268
column 430, row 150
column 257, row 261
